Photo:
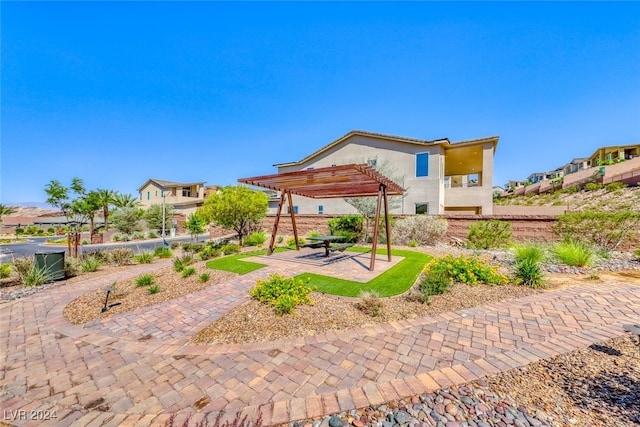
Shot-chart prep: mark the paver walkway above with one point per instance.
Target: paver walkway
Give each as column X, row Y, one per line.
column 135, row 368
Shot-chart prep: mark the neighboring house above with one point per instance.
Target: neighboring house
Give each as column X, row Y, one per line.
column 439, row 176
column 545, row 176
column 186, row 197
column 513, row 185
column 613, row 154
column 576, row 165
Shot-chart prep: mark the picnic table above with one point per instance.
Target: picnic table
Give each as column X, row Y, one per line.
column 325, row 241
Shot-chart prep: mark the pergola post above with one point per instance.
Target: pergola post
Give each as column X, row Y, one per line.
column 293, row 221
column 272, row 242
column 376, row 228
column 386, row 221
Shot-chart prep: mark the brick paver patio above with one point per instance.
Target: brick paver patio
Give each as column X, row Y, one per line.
column 137, row 368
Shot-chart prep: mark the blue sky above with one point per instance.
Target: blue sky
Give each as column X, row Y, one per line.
column 118, row 92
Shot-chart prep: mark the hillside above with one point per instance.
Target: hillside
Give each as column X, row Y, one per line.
column 597, row 200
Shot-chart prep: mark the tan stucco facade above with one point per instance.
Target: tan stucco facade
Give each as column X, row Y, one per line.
column 459, row 176
column 185, row 197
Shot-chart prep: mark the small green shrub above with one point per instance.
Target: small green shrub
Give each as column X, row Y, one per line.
column 19, row 231
column 193, row 247
column 470, row 270
column 209, row 252
column 153, row 235
column 145, row 280
column 412, row 243
column 153, row 289
column 280, row 239
column 120, row 256
column 572, row 189
column 90, row 264
column 434, row 282
column 257, row 238
column 349, row 226
column 593, row 186
column 573, row 253
column 291, row 241
column 162, row 252
column 36, row 276
column 370, row 303
column 144, row 258
column 175, row 245
column 638, row 253
column 614, row 186
column 530, row 252
column 179, row 263
column 51, row 230
column 190, row 271
column 230, row 249
column 5, row 270
column 313, row 233
column 489, row 234
column 204, row 277
column 284, row 304
column 116, row 238
column 529, row 273
column 286, row 290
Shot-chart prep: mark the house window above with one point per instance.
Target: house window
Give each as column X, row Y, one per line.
column 186, row 191
column 422, row 208
column 320, row 209
column 372, row 162
column 422, row 164
column 295, row 209
column 156, row 193
column 310, row 168
column 148, row 195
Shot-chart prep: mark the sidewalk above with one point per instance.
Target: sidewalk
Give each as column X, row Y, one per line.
column 136, row 368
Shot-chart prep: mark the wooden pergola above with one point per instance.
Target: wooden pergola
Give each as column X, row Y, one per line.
column 333, row 182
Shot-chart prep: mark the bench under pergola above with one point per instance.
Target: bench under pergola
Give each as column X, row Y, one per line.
column 352, row 180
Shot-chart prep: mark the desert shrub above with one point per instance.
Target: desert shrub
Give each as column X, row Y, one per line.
column 144, row 258
column 19, row 230
column 190, row 271
column 209, row 252
column 529, row 273
column 193, row 247
column 204, row 277
column 89, row 264
column 29, row 273
column 603, row 229
column 230, row 248
column 489, row 234
column 31, row 229
column 412, row 243
column 638, row 253
column 592, row 186
column 5, row 270
column 572, row 189
column 145, row 280
column 175, row 245
column 470, row 270
column 257, row 238
column 153, row 235
column 423, row 229
column 51, row 230
column 614, row 186
column 162, row 252
column 280, row 239
column 116, row 238
column 153, row 289
column 102, row 256
column 22, row 265
column 138, row 236
column 280, row 292
column 573, row 253
column 434, row 282
column 120, row 256
column 370, row 303
column 350, row 227
column 71, row 267
column 313, row 233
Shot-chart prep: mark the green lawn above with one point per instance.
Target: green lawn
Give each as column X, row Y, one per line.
column 231, row 263
column 394, row 281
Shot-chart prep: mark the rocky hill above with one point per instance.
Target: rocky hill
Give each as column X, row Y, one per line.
column 596, row 200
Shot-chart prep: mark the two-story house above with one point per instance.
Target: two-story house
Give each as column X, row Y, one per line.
column 439, row 176
column 186, row 197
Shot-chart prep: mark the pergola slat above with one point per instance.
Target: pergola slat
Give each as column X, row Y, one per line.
column 344, row 181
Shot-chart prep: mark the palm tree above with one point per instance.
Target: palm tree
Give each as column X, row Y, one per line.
column 105, row 199
column 125, row 201
column 7, row 210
